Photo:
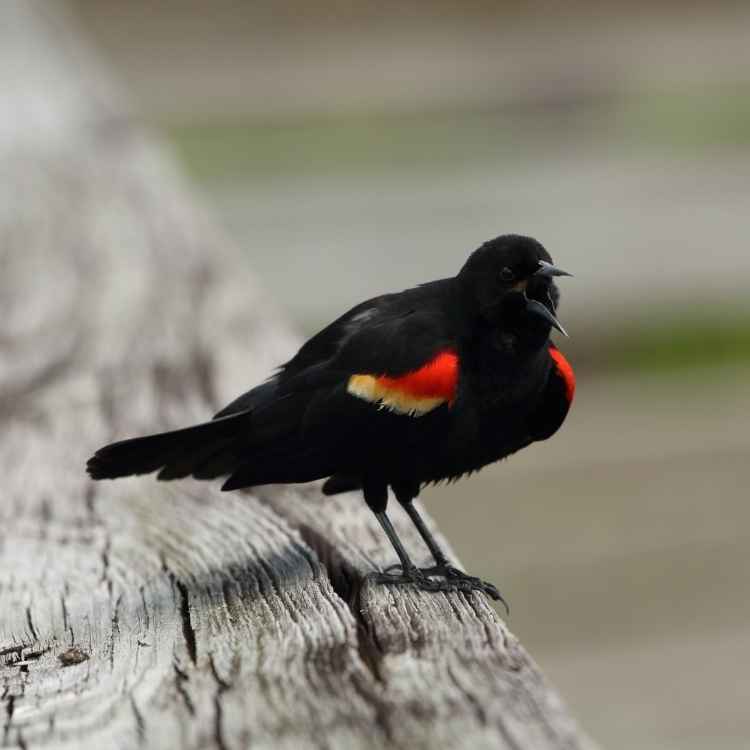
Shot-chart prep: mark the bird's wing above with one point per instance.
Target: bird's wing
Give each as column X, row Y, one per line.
column 371, row 320
column 408, row 365
column 396, row 351
column 315, row 354
column 402, row 358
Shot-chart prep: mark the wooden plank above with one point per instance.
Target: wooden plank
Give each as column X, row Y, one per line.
column 135, row 613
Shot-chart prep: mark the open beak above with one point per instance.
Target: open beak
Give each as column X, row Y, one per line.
column 537, row 308
column 547, row 269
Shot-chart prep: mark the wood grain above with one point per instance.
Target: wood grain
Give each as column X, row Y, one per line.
column 140, row 614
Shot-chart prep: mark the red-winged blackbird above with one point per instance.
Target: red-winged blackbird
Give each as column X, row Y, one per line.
column 404, row 389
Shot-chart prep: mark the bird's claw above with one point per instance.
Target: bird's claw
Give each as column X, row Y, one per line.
column 438, row 578
column 474, row 583
column 408, row 576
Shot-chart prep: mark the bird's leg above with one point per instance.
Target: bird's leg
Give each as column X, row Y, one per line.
column 403, row 555
column 376, row 497
column 405, row 494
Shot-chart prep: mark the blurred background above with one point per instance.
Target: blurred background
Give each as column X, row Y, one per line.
column 355, row 148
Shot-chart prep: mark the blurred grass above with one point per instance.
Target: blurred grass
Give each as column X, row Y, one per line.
column 688, row 119
column 680, row 340
column 251, row 150
column 691, row 342
column 682, row 122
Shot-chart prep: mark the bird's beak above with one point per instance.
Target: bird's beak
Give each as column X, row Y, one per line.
column 547, row 269
column 534, row 307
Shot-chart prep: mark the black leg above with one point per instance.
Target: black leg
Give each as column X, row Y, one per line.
column 405, row 494
column 403, row 555
column 376, row 497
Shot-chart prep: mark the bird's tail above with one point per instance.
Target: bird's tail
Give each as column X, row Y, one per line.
column 205, row 451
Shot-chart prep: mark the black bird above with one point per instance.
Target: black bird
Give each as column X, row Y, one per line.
column 404, row 389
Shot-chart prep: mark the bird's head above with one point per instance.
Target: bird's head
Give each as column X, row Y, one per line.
column 510, row 281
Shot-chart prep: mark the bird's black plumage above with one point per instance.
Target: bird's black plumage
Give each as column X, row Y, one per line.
column 403, row 389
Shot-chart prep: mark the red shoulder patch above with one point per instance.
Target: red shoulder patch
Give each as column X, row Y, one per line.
column 437, row 379
column 416, row 392
column 565, row 371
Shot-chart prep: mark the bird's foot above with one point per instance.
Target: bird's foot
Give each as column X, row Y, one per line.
column 438, row 578
column 450, row 573
column 415, row 576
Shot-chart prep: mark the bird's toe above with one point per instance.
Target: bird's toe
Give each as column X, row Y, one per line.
column 437, row 578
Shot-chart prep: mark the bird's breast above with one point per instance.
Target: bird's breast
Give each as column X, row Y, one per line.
column 502, row 380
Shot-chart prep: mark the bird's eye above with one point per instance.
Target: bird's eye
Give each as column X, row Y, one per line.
column 507, row 274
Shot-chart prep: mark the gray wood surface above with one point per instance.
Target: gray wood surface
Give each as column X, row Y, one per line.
column 135, row 613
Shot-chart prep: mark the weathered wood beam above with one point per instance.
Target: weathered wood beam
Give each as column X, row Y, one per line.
column 135, row 613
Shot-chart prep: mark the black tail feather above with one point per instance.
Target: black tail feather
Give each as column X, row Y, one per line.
column 179, row 453
column 190, row 460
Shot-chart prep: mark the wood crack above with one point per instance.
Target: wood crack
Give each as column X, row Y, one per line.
column 140, row 723
column 105, row 562
column 12, row 650
column 115, row 631
column 10, row 706
column 188, row 631
column 64, row 610
column 221, row 687
column 180, row 678
column 30, row 623
column 346, row 583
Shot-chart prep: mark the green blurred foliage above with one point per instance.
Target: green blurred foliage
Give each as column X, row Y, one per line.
column 676, row 120
column 667, row 343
